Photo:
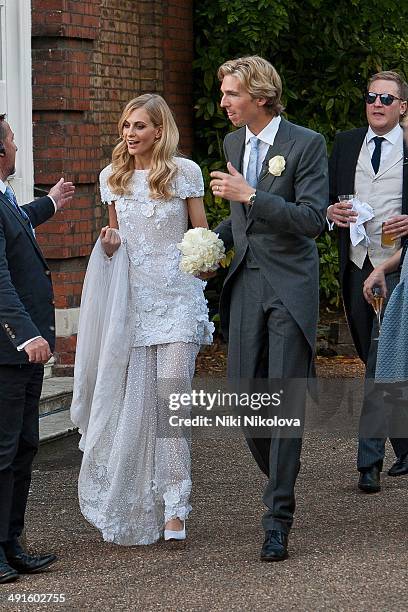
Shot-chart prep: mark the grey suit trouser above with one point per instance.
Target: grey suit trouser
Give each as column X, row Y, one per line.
column 374, row 416
column 266, row 343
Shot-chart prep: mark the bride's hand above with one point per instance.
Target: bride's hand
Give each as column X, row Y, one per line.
column 204, row 276
column 110, row 240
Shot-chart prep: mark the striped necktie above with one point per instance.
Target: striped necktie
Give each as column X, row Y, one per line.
column 9, row 193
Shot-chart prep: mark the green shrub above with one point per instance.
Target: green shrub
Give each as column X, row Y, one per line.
column 324, row 51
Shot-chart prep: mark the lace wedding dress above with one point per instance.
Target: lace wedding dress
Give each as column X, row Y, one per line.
column 141, row 324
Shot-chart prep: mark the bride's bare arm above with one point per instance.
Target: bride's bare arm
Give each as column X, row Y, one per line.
column 113, row 218
column 109, row 236
column 196, row 212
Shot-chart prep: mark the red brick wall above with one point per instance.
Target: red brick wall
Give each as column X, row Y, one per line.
column 178, row 59
column 90, row 57
column 140, row 50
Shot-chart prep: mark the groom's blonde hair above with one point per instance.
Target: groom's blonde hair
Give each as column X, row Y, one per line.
column 259, row 77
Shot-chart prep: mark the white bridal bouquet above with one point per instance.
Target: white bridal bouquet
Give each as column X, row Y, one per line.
column 201, row 250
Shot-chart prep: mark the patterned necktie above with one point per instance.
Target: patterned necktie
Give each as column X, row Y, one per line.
column 9, row 193
column 252, row 170
column 376, row 157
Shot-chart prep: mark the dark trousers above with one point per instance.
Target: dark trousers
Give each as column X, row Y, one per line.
column 20, row 390
column 265, row 343
column 364, row 329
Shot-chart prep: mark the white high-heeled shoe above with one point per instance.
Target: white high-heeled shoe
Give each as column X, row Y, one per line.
column 170, row 534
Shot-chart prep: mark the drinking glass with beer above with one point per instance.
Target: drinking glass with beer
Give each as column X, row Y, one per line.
column 387, row 241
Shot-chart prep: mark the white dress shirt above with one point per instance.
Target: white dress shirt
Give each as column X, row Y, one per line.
column 386, row 146
column 266, row 139
column 3, row 190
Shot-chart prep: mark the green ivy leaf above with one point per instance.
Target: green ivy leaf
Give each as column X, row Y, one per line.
column 208, row 80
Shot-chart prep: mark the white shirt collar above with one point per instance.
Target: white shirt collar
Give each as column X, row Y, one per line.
column 391, row 136
column 268, row 134
column 2, row 186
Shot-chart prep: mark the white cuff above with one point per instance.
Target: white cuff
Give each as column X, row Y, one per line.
column 330, row 224
column 21, row 346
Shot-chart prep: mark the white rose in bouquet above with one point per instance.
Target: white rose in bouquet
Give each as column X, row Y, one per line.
column 201, row 251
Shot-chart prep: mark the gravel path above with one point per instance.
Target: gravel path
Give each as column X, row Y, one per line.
column 348, row 550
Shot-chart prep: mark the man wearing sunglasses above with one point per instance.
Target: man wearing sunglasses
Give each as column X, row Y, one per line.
column 372, row 163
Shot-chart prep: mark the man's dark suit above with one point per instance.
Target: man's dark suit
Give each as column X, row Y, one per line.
column 342, row 171
column 26, row 311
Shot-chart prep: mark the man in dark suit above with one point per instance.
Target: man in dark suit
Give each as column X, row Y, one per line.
column 27, row 338
column 372, row 162
column 269, row 302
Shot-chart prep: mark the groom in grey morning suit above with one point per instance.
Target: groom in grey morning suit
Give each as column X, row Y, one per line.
column 269, row 302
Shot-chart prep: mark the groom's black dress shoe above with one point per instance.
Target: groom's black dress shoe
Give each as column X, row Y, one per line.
column 275, row 547
column 24, row 563
column 7, row 573
column 400, row 467
column 369, row 480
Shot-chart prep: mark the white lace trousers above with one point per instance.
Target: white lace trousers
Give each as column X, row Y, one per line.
column 133, row 479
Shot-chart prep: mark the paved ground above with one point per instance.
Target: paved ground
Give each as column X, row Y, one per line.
column 348, row 551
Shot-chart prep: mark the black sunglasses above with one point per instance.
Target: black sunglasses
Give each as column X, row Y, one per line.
column 386, row 99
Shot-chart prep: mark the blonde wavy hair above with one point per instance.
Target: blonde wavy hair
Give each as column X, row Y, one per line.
column 259, row 77
column 163, row 167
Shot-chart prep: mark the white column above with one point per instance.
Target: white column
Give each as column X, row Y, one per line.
column 3, row 98
column 16, row 88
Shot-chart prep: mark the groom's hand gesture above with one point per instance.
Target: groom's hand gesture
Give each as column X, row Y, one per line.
column 231, row 186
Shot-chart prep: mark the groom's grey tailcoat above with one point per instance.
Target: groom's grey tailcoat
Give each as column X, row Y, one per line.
column 288, row 213
column 269, row 303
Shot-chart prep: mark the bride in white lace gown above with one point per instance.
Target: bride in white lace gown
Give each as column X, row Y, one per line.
column 142, row 322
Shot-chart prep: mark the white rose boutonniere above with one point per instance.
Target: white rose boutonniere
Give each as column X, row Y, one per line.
column 277, row 165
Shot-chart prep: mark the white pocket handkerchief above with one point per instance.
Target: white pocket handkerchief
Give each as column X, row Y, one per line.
column 357, row 230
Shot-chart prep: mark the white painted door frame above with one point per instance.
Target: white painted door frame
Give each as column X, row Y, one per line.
column 16, row 88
